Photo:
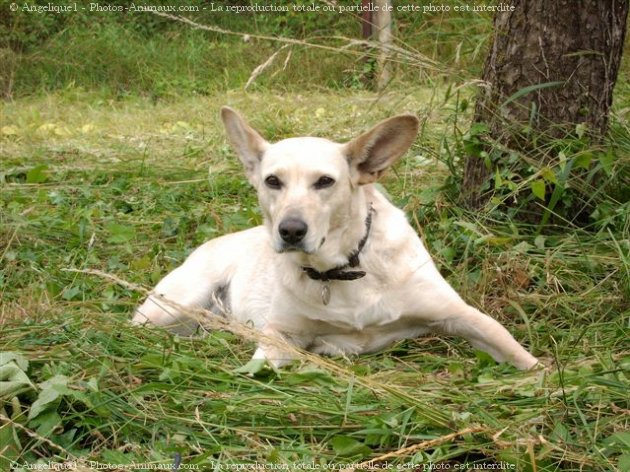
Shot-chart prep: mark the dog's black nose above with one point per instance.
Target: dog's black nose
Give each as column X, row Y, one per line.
column 292, row 230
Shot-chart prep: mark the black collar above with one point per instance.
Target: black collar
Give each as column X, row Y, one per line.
column 340, row 272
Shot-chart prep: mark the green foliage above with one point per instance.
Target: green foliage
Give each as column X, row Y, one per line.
column 552, row 183
column 146, row 54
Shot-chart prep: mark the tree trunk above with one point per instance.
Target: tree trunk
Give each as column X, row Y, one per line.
column 383, row 34
column 366, row 19
column 552, row 66
column 376, row 25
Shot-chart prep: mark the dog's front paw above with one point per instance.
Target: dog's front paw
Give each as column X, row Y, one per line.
column 262, row 363
column 253, row 367
column 527, row 362
column 274, row 357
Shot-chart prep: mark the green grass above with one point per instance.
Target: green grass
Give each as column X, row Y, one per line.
column 144, row 54
column 91, row 182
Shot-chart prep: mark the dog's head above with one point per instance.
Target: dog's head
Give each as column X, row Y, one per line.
column 306, row 185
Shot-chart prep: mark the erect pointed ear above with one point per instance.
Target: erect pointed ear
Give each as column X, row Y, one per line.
column 249, row 145
column 374, row 151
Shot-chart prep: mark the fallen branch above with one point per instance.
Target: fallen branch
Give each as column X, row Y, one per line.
column 260, row 69
column 408, row 57
column 112, row 277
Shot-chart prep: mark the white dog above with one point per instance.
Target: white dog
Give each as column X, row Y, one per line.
column 336, row 268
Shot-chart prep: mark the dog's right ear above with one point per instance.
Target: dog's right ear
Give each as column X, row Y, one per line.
column 249, row 145
column 374, row 151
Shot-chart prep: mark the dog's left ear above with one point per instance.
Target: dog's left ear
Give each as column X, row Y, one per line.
column 374, row 151
column 249, row 145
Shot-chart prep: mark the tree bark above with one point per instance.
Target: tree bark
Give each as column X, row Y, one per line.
column 377, row 26
column 383, row 34
column 552, row 66
column 366, row 20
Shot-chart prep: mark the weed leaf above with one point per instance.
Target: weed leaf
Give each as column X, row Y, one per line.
column 538, row 188
column 52, row 390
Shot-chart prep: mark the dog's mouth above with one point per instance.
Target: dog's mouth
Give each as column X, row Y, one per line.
column 285, row 247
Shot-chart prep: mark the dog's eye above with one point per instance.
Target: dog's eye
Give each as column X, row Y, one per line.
column 324, row 182
column 273, row 182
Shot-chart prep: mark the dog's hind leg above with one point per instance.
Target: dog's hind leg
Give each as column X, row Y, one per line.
column 200, row 282
column 167, row 305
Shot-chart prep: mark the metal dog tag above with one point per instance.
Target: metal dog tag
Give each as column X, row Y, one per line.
column 325, row 294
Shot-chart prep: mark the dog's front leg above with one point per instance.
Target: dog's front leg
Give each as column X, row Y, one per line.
column 436, row 304
column 487, row 334
column 277, row 348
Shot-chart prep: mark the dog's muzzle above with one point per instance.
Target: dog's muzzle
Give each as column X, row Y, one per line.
column 292, row 231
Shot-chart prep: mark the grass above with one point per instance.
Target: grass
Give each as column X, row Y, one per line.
column 91, row 182
column 153, row 56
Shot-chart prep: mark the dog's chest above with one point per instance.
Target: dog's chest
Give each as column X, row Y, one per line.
column 353, row 305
